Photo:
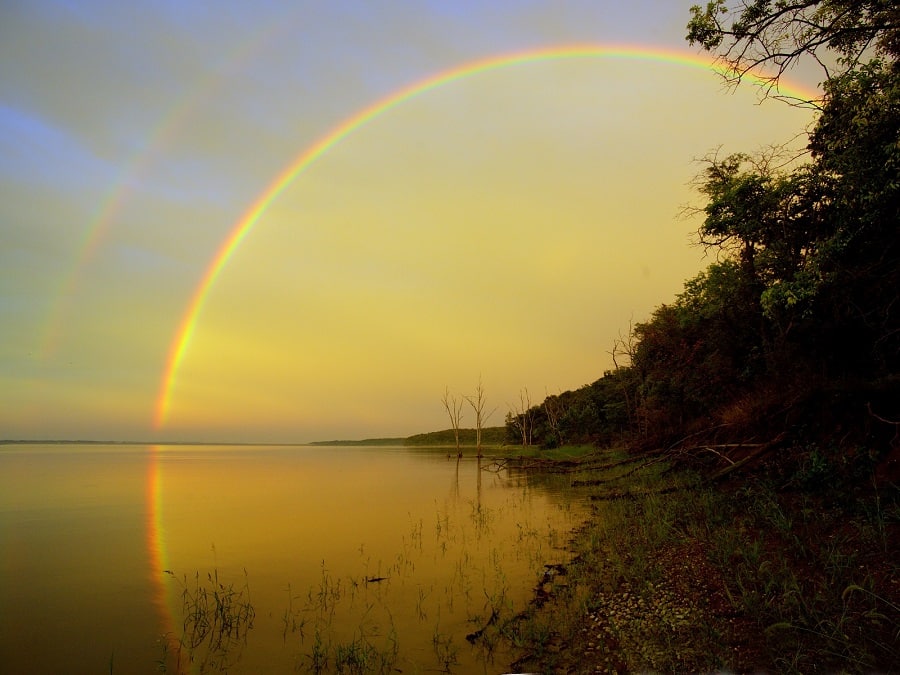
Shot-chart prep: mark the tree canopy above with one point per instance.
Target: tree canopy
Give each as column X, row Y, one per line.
column 802, row 302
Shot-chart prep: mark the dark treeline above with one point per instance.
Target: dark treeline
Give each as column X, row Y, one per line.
column 795, row 326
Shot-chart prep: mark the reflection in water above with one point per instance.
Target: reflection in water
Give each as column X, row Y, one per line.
column 75, row 595
column 345, row 556
column 158, row 557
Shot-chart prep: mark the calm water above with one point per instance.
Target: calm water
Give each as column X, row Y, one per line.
column 98, row 545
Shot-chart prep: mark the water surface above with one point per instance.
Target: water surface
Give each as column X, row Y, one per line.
column 342, row 553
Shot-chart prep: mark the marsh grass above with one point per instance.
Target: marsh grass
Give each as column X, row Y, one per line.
column 345, row 624
column 455, row 572
column 217, row 617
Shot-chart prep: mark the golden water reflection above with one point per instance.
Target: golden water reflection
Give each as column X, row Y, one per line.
column 343, row 553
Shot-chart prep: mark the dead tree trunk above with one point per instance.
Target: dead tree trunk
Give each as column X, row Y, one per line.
column 453, row 406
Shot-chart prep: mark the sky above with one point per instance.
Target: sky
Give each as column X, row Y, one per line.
column 287, row 222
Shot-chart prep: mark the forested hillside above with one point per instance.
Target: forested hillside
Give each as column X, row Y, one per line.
column 791, row 336
column 759, row 409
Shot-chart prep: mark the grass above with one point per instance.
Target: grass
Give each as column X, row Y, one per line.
column 673, row 574
column 568, row 452
column 490, row 437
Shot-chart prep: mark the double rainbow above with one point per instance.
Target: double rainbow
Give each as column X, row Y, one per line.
column 182, row 338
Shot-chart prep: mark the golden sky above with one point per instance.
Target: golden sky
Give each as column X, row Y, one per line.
column 507, row 225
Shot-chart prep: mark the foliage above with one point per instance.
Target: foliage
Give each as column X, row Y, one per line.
column 792, row 333
column 447, row 437
column 802, row 301
column 773, row 35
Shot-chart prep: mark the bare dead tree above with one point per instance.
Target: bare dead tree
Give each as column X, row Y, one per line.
column 453, row 405
column 522, row 417
column 477, row 401
column 555, row 407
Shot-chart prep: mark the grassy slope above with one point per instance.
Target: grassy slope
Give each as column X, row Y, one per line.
column 364, row 442
column 677, row 574
column 490, row 436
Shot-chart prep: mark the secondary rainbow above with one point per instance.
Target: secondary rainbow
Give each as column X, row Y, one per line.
column 182, row 338
column 159, row 138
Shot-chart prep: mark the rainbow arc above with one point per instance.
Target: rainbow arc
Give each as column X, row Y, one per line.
column 242, row 228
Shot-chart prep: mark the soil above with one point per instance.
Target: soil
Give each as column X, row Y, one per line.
column 691, row 588
column 683, row 618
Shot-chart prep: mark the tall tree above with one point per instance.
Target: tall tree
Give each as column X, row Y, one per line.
column 857, row 153
column 823, row 239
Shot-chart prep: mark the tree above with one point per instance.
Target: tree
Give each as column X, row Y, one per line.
column 556, row 407
column 771, row 36
column 857, row 261
column 701, row 352
column 522, row 417
column 624, row 348
column 477, row 401
column 819, row 245
column 453, row 406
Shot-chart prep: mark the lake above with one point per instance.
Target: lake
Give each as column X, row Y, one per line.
column 266, row 559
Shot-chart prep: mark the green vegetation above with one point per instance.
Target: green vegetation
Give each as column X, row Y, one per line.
column 490, row 436
column 676, row 574
column 364, row 442
column 752, row 522
column 558, row 456
column 790, row 339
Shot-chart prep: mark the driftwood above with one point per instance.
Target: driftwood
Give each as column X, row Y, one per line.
column 591, row 462
column 759, row 451
column 541, row 595
column 533, row 464
column 475, row 636
column 675, row 452
column 895, row 441
column 653, row 455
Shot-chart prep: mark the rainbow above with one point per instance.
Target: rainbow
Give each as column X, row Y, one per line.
column 93, row 235
column 308, row 156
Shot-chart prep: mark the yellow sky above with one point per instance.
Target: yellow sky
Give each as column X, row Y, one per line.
column 508, row 225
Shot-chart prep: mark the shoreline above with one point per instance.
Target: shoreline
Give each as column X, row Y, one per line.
column 672, row 573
